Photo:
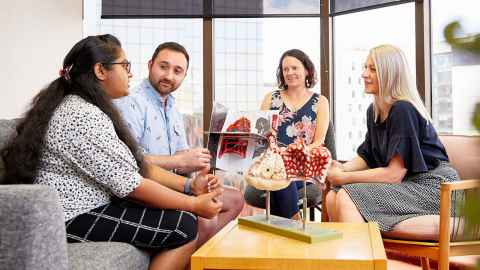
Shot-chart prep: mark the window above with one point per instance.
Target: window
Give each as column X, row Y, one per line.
column 140, row 37
column 455, row 80
column 247, row 53
column 354, row 34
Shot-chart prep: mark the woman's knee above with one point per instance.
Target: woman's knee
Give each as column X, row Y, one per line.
column 329, row 207
column 342, row 199
column 233, row 200
column 347, row 211
column 330, row 197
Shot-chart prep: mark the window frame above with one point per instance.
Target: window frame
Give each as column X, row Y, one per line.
column 422, row 61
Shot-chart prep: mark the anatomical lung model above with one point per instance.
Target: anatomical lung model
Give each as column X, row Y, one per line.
column 274, row 169
column 234, row 144
column 268, row 171
column 301, row 162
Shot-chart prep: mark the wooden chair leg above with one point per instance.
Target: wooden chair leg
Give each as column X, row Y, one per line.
column 425, row 263
column 443, row 263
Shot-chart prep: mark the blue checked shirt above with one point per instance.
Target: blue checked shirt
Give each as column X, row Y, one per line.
column 158, row 129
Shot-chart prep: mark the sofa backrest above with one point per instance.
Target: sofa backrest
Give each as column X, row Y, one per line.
column 330, row 140
column 464, row 154
column 7, row 129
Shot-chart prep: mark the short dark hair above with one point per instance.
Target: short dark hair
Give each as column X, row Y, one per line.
column 174, row 46
column 311, row 78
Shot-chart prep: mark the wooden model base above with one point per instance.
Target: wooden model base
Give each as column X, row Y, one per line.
column 289, row 228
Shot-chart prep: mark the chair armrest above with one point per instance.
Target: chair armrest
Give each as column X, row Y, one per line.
column 446, row 190
column 459, row 185
column 32, row 228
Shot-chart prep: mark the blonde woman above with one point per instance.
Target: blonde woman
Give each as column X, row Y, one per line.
column 395, row 179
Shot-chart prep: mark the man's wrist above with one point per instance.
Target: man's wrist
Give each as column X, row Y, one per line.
column 187, row 187
column 178, row 161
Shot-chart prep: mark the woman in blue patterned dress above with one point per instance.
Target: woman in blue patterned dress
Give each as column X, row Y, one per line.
column 303, row 114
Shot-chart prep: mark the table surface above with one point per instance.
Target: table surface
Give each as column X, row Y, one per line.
column 242, row 247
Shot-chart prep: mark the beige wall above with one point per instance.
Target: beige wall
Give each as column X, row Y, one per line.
column 34, row 37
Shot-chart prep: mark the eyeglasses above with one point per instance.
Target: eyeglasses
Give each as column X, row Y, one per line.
column 126, row 65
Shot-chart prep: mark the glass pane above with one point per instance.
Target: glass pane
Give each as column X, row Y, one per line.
column 139, row 39
column 247, row 52
column 338, row 6
column 455, row 80
column 354, row 35
column 265, row 7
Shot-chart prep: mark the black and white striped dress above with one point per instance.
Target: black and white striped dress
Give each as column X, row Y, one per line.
column 93, row 171
column 406, row 133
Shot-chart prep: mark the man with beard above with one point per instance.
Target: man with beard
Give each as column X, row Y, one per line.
column 156, row 124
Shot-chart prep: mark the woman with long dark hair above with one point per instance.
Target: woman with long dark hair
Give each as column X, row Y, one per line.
column 73, row 140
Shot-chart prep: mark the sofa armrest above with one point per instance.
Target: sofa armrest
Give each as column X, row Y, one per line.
column 32, row 228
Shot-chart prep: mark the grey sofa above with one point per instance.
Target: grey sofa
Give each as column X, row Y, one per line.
column 32, row 231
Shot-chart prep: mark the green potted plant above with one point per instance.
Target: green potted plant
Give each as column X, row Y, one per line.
column 471, row 44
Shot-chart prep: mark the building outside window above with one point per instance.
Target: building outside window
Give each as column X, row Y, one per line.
column 455, row 80
column 140, row 37
column 353, row 35
column 247, row 53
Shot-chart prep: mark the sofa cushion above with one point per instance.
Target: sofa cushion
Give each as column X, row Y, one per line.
column 106, row 255
column 32, row 229
column 7, row 129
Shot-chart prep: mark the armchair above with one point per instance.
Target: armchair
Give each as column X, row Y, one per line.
column 453, row 239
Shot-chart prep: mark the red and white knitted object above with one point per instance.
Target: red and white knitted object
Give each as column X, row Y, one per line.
column 301, row 162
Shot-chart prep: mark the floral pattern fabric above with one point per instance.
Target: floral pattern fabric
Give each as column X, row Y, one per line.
column 295, row 124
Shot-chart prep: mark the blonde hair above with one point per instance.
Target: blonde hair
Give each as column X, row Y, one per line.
column 395, row 79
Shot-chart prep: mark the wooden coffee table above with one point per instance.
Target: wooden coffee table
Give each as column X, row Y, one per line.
column 241, row 247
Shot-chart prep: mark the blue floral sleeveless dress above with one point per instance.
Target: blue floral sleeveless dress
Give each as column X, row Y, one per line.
column 292, row 125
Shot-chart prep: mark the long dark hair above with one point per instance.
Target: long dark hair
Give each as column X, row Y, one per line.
column 23, row 152
column 311, row 78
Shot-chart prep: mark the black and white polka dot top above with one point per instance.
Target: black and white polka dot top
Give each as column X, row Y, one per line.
column 83, row 158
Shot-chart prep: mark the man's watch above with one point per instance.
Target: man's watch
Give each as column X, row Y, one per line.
column 187, row 188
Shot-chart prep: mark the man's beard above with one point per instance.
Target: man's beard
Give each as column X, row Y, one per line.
column 164, row 91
